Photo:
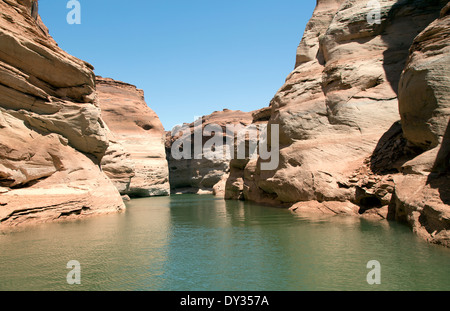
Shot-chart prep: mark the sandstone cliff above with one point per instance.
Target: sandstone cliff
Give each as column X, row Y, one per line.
column 422, row 191
column 342, row 146
column 51, row 135
column 136, row 161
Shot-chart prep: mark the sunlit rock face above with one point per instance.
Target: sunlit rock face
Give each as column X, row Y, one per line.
column 52, row 137
column 136, row 161
column 343, row 137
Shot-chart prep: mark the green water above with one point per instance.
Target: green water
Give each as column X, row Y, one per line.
column 202, row 243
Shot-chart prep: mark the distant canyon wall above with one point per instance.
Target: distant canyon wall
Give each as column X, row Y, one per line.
column 199, row 173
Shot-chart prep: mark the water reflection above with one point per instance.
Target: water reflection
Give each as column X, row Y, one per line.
column 204, row 243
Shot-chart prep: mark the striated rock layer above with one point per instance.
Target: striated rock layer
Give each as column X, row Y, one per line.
column 341, row 146
column 136, row 161
column 51, row 135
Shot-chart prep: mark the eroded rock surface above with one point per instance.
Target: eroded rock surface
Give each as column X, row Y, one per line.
column 334, row 108
column 338, row 112
column 239, row 179
column 422, row 192
column 200, row 173
column 136, row 162
column 52, row 137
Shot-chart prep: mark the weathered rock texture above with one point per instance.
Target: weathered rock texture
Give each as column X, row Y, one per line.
column 201, row 175
column 422, row 192
column 51, row 135
column 239, row 179
column 136, row 161
column 340, row 139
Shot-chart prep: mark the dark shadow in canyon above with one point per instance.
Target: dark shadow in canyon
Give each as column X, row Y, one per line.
column 392, row 151
column 405, row 20
column 440, row 176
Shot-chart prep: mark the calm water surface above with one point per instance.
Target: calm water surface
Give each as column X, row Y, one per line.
column 203, row 243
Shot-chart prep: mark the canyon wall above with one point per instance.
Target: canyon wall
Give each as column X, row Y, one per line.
column 422, row 192
column 199, row 173
column 235, row 188
column 52, row 137
column 136, row 160
column 344, row 145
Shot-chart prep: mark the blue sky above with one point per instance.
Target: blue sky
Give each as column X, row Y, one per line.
column 191, row 57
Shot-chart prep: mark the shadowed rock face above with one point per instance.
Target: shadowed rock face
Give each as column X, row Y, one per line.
column 240, row 180
column 51, row 134
column 136, row 161
column 338, row 112
column 424, row 87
